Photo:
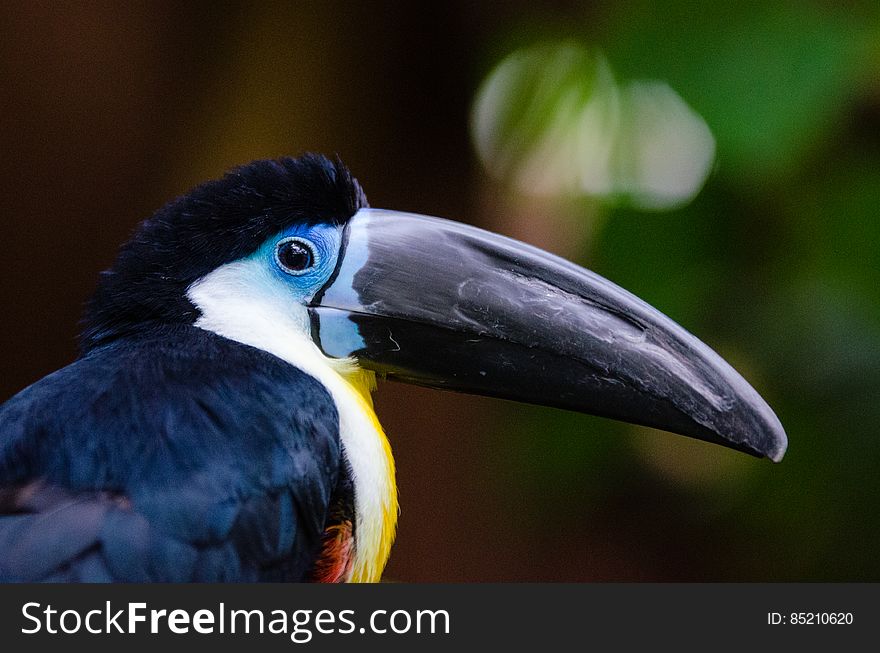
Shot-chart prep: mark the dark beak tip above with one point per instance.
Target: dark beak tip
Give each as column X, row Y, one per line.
column 773, row 439
column 767, row 438
column 779, row 444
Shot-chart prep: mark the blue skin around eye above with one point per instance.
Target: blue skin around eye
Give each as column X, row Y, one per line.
column 339, row 335
column 325, row 241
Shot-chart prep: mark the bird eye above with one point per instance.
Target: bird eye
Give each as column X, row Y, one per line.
column 295, row 255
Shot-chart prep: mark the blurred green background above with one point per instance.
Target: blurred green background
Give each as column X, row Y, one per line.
column 723, row 163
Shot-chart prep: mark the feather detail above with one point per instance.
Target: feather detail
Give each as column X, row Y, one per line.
column 337, row 554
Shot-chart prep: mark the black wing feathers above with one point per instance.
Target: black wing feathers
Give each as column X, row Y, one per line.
column 181, row 456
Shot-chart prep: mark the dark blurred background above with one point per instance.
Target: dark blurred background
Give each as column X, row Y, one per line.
column 723, row 163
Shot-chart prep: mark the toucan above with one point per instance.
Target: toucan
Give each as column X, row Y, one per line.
column 217, row 424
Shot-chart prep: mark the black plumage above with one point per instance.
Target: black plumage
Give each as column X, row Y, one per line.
column 217, row 222
column 175, row 456
column 165, row 452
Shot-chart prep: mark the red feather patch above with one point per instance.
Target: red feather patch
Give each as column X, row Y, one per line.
column 337, row 554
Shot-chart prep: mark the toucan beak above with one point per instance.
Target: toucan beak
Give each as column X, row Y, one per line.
column 446, row 305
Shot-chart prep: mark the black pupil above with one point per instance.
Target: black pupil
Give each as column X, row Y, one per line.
column 295, row 256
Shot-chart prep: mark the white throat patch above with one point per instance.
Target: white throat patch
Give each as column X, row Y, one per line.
column 243, row 302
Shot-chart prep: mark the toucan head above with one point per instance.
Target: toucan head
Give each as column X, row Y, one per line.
column 423, row 300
